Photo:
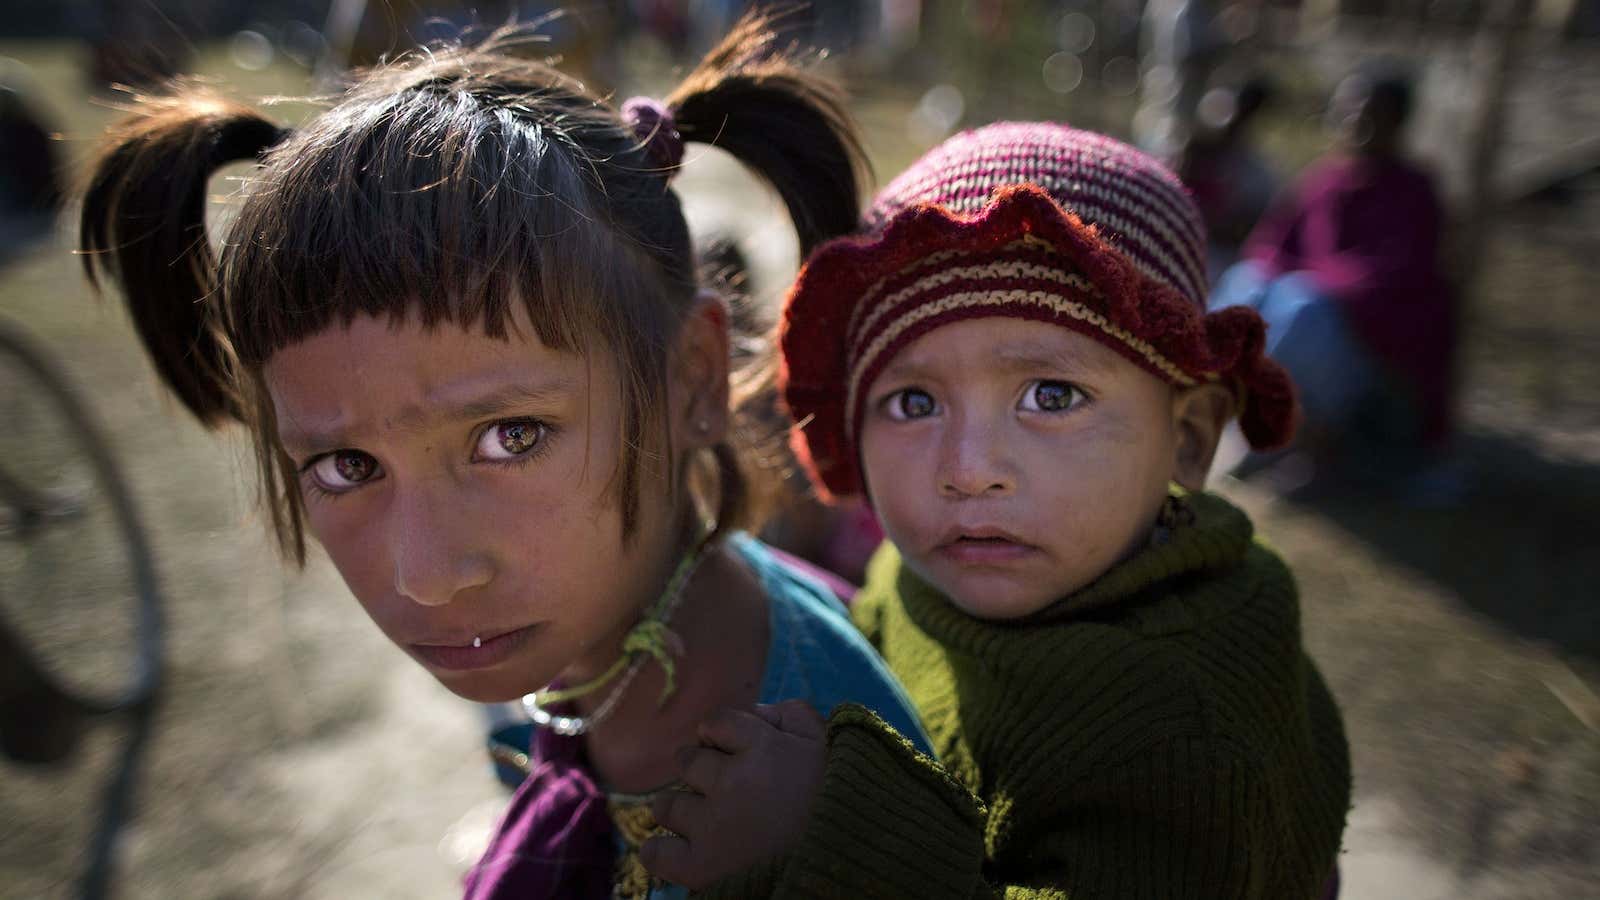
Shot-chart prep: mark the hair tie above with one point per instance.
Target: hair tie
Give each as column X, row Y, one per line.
column 657, row 129
column 245, row 138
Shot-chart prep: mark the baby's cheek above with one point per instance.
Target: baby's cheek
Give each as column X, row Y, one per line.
column 894, row 474
column 898, row 512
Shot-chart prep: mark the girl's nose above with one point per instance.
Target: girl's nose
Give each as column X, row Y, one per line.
column 974, row 463
column 434, row 555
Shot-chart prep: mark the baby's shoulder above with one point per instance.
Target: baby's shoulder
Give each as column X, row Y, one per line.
column 1257, row 593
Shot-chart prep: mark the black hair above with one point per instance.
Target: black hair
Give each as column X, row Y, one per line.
column 443, row 186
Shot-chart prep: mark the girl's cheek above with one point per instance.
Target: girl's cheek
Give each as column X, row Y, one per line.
column 334, row 521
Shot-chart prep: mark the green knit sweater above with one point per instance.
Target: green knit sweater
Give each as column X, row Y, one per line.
column 1160, row 733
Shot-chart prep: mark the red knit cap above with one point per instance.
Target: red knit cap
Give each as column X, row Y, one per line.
column 1027, row 220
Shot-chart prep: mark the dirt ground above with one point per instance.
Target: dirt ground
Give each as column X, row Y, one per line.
column 297, row 754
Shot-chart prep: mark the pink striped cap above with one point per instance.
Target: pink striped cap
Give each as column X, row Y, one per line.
column 1137, row 204
column 1022, row 219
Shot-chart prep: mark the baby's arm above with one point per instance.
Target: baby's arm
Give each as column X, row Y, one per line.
column 746, row 792
column 887, row 822
column 1173, row 821
column 852, row 793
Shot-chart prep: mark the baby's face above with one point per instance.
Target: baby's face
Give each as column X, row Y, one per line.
column 1013, row 462
column 460, row 485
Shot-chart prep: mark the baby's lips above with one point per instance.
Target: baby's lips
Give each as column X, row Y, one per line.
column 981, row 532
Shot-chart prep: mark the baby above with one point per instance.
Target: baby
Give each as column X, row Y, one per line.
column 1014, row 365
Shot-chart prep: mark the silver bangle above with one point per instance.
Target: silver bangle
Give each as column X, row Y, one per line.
column 570, row 726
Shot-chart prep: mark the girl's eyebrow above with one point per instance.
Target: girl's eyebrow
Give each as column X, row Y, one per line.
column 507, row 397
column 442, row 407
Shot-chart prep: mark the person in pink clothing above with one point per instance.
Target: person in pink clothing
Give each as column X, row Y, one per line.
column 1345, row 270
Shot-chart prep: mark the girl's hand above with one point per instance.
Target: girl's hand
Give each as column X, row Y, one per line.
column 750, row 787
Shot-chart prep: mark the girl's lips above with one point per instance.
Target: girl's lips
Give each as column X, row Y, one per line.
column 984, row 551
column 489, row 652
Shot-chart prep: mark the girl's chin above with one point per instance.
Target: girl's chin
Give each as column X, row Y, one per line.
column 484, row 687
column 482, row 695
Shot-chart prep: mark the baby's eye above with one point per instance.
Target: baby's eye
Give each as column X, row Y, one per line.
column 344, row 470
column 1051, row 396
column 909, row 403
column 510, row 439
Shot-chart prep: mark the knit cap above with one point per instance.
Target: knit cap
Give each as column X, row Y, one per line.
column 1029, row 220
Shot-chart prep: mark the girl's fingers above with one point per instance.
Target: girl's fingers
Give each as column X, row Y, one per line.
column 681, row 812
column 733, row 730
column 797, row 717
column 768, row 713
column 700, row 768
column 669, row 858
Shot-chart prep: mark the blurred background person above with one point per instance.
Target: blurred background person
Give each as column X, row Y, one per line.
column 1345, row 269
column 1180, row 47
column 1232, row 182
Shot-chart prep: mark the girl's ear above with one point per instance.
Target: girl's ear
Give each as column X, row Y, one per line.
column 1199, row 414
column 700, row 374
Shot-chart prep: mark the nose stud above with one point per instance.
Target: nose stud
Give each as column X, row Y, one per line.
column 477, row 641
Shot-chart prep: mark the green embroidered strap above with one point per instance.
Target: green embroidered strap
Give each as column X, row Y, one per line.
column 650, row 636
column 655, row 638
column 561, row 695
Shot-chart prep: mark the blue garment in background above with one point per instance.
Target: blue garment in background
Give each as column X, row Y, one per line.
column 1306, row 334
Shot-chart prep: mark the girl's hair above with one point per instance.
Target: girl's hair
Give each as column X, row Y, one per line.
column 444, row 186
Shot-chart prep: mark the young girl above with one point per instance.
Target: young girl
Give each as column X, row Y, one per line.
column 457, row 312
column 1015, row 366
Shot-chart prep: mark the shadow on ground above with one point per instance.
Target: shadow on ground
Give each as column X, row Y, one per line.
column 1519, row 549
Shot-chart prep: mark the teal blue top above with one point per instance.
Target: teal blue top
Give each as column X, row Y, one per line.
column 814, row 652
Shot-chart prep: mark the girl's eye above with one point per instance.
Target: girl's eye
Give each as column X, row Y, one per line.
column 1051, row 396
column 509, row 440
column 344, row 470
column 910, row 403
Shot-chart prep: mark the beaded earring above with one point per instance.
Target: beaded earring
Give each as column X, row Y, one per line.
column 1175, row 513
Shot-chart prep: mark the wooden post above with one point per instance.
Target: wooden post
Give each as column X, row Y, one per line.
column 1500, row 47
column 339, row 33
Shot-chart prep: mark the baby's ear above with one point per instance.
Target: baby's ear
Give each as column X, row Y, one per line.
column 1199, row 414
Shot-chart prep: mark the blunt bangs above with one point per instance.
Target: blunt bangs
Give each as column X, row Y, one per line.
column 447, row 191
column 446, row 198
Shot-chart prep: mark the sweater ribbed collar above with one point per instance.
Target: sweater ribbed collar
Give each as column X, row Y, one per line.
column 1216, row 540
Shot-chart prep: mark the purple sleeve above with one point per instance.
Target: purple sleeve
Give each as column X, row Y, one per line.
column 1390, row 248
column 556, row 839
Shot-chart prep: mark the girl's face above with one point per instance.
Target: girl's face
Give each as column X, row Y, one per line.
column 463, row 486
column 1012, row 463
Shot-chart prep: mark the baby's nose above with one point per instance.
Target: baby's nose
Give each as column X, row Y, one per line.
column 974, row 463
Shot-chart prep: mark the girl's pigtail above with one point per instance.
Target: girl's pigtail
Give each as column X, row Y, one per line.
column 751, row 99
column 143, row 225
